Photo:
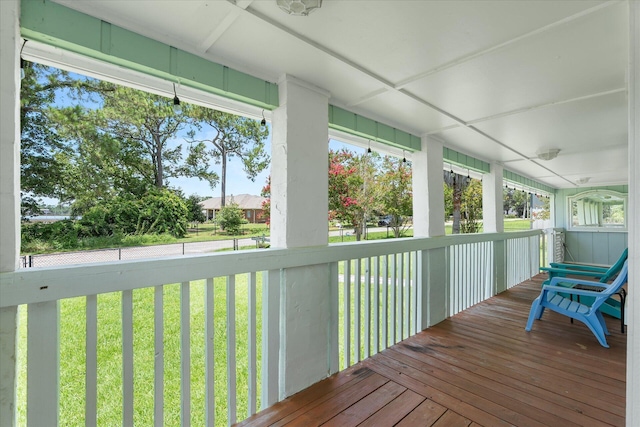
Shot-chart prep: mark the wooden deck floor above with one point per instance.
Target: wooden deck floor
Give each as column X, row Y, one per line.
column 479, row 367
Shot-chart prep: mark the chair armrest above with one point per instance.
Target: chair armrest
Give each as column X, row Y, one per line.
column 579, row 267
column 554, row 282
column 571, row 291
column 555, row 271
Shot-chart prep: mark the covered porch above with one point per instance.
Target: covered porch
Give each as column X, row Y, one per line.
column 489, row 89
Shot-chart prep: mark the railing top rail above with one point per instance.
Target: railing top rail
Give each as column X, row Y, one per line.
column 54, row 283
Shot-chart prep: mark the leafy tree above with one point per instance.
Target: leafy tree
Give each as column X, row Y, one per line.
column 231, row 137
column 43, row 151
column 160, row 211
column 395, row 194
column 266, row 204
column 194, row 207
column 230, row 218
column 514, row 200
column 471, row 207
column 352, row 189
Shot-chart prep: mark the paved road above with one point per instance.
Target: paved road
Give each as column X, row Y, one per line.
column 148, row 252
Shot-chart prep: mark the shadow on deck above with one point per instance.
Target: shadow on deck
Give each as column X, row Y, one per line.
column 479, row 367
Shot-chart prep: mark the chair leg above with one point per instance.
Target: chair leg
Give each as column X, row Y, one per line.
column 535, row 313
column 602, row 322
column 594, row 324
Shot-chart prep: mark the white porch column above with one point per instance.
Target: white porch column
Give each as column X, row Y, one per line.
column 492, row 200
column 428, row 221
column 493, row 222
column 428, row 191
column 633, row 338
column 299, row 205
column 9, row 195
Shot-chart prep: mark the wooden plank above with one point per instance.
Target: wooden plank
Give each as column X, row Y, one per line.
column 327, row 409
column 533, row 381
column 364, row 408
column 507, row 395
column 308, row 398
column 451, row 419
column 427, row 413
column 395, row 411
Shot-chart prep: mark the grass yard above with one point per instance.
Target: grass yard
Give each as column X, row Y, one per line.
column 72, row 355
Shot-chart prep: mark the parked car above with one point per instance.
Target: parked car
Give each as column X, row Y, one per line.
column 386, row 221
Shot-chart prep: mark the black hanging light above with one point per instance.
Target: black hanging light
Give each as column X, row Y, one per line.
column 263, row 122
column 369, row 149
column 22, row 64
column 176, row 101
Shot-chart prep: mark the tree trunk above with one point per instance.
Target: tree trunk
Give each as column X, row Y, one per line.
column 457, row 203
column 223, row 179
column 159, row 170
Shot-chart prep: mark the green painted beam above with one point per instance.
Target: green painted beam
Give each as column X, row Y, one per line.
column 515, row 178
column 355, row 124
column 464, row 161
column 57, row 25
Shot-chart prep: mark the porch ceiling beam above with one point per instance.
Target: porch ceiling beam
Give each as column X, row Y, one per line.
column 226, row 23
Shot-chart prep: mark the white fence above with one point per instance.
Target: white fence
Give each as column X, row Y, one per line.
column 195, row 340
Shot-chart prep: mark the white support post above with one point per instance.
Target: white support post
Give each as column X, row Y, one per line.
column 299, row 203
column 493, row 222
column 9, row 196
column 428, row 190
column 633, row 301
column 428, row 221
column 492, row 200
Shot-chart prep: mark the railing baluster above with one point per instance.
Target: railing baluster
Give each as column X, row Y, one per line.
column 367, row 307
column 270, row 337
column 43, row 365
column 209, row 364
column 158, row 361
column 376, row 304
column 385, row 300
column 400, row 296
column 357, row 282
column 407, row 292
column 127, row 358
column 231, row 349
column 414, row 281
column 185, row 355
column 392, row 291
column 252, row 344
column 347, row 313
column 334, row 343
column 91, row 363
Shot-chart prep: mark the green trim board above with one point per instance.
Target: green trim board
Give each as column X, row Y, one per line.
column 514, row 177
column 57, row 25
column 355, row 124
column 464, row 161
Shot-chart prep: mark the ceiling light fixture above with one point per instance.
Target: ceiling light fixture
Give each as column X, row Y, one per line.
column 176, row 101
column 263, row 122
column 583, row 180
column 548, row 154
column 299, row 7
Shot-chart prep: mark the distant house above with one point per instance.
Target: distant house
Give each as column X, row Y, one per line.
column 251, row 206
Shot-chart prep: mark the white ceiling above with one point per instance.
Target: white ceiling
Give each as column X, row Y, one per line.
column 498, row 80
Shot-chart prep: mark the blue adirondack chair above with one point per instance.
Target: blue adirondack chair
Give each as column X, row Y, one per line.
column 612, row 307
column 553, row 297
